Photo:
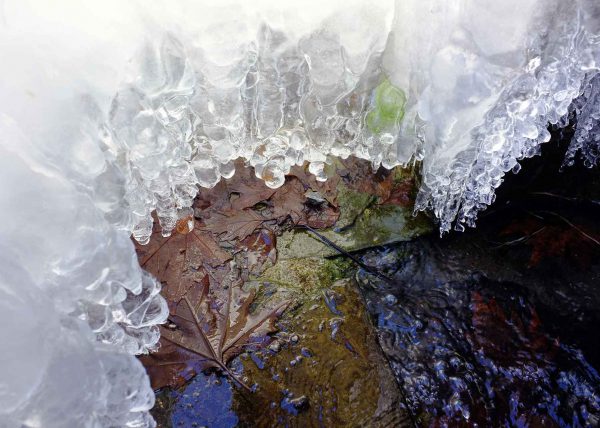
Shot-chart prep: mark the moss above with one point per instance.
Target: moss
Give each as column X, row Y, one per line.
column 306, row 275
column 377, row 225
column 388, row 109
column 351, row 205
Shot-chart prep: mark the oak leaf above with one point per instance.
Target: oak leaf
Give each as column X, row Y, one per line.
column 234, row 224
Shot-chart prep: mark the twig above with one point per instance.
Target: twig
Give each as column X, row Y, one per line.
column 591, row 238
column 521, row 239
column 340, row 250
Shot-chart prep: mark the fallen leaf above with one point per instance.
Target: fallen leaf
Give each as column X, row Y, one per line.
column 551, row 238
column 254, row 252
column 359, row 176
column 328, row 189
column 290, row 201
column 180, row 260
column 209, row 327
column 402, row 194
column 234, row 224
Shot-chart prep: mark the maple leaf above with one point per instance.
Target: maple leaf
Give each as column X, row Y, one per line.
column 290, row 201
column 243, row 190
column 209, row 327
column 182, row 259
column 256, row 252
column 328, row 189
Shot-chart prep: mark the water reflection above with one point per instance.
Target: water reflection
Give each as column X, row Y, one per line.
column 205, row 402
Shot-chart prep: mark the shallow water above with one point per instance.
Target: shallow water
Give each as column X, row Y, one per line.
column 474, row 341
column 498, row 326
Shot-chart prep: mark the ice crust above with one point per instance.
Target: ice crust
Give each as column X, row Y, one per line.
column 111, row 111
column 468, row 88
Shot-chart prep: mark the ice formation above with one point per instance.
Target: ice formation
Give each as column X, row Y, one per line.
column 468, row 88
column 111, row 111
column 586, row 109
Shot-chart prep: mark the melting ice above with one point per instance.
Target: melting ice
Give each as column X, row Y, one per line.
column 111, row 111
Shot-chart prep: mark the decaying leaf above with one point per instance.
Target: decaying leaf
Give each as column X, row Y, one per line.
column 359, row 176
column 210, row 326
column 552, row 237
column 243, row 204
column 180, row 260
column 234, row 225
column 256, row 252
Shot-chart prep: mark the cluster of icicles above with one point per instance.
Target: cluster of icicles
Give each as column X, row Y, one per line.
column 475, row 108
column 467, row 88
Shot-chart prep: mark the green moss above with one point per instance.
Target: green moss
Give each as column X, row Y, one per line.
column 307, row 275
column 351, row 205
column 388, row 110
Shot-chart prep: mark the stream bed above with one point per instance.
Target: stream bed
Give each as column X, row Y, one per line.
column 496, row 326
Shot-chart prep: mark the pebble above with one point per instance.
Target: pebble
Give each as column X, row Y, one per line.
column 306, row 352
column 300, row 403
column 275, row 346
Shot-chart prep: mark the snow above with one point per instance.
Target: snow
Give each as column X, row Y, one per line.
column 113, row 110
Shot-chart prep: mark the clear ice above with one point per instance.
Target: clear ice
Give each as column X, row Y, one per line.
column 112, row 111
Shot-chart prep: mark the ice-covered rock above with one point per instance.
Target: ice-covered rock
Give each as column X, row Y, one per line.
column 110, row 111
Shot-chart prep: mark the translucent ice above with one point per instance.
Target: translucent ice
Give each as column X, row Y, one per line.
column 466, row 87
column 586, row 109
column 485, row 79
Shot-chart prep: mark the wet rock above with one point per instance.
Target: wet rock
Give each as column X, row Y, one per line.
column 348, row 377
column 371, row 214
